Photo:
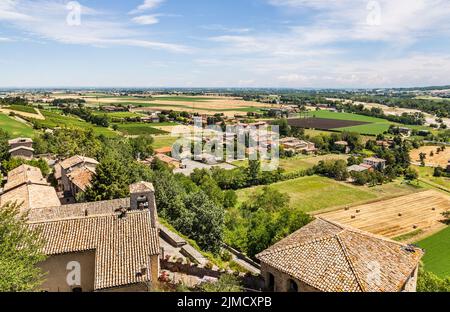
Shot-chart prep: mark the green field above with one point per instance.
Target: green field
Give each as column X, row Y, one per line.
column 426, row 174
column 135, row 128
column 120, row 114
column 54, row 120
column 185, row 106
column 15, row 128
column 376, row 125
column 437, row 253
column 345, row 116
column 163, row 141
column 316, row 193
column 22, row 108
column 183, row 99
column 300, row 162
column 372, row 129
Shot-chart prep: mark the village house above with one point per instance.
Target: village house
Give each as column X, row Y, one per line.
column 376, row 163
column 171, row 162
column 167, row 150
column 342, row 146
column 385, row 143
column 27, row 187
column 74, row 174
column 110, row 109
column 21, row 148
column 298, row 146
column 153, row 118
column 405, row 131
column 359, row 168
column 325, row 256
column 101, row 246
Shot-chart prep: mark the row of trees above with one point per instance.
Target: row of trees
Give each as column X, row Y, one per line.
column 88, row 115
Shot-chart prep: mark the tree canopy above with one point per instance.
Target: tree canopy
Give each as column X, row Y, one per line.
column 20, row 252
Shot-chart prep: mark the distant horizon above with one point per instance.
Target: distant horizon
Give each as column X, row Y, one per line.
column 109, row 88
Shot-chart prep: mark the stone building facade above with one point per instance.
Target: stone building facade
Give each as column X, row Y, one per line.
column 101, row 246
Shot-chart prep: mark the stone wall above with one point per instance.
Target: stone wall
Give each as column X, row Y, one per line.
column 57, row 272
column 411, row 283
column 282, row 280
column 248, row 280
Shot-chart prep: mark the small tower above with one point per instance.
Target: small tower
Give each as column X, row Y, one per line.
column 142, row 196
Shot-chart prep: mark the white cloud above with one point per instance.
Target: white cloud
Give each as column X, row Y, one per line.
column 401, row 21
column 146, row 19
column 47, row 20
column 218, row 27
column 147, row 5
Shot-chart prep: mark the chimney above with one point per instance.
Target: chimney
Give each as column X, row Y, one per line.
column 142, row 196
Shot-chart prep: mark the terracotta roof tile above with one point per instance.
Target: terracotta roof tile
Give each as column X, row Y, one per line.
column 122, row 246
column 75, row 160
column 332, row 257
column 81, row 177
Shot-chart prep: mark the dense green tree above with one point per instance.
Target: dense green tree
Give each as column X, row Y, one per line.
column 13, row 163
column 208, row 221
column 110, row 181
column 4, row 146
column 411, row 174
column 429, row 282
column 254, row 168
column 141, row 146
column 20, row 252
column 269, row 218
column 230, row 199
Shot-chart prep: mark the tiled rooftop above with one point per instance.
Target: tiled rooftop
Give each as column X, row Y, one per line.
column 24, row 174
column 122, row 246
column 332, row 257
column 75, row 160
column 81, row 177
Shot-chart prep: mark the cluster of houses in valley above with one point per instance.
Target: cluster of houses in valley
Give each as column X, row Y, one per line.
column 368, row 164
column 119, row 245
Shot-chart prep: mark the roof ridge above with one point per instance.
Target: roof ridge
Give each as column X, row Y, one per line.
column 349, row 228
column 70, row 218
column 295, row 245
column 350, row 262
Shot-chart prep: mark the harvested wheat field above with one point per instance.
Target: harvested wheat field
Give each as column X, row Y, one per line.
column 438, row 159
column 393, row 218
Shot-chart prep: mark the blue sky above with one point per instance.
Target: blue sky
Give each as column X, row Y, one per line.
column 224, row 43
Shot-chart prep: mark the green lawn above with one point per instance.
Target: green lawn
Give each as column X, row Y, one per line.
column 316, row 193
column 14, row 127
column 54, row 119
column 437, row 253
column 136, row 128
